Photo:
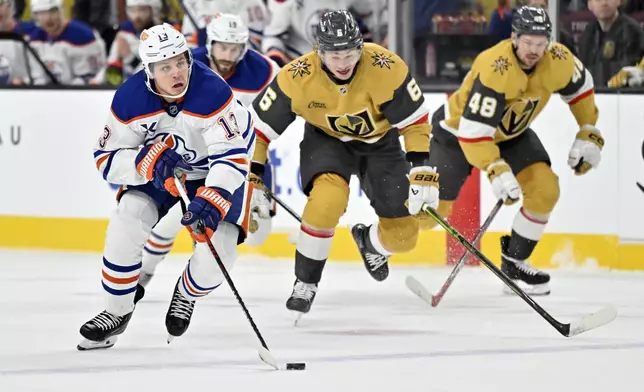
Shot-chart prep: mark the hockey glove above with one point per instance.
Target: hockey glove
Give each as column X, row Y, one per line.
column 210, row 205
column 504, row 185
column 260, row 206
column 627, row 76
column 423, row 188
column 157, row 163
column 585, row 153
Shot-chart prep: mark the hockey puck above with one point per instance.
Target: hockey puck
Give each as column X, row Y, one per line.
column 296, row 366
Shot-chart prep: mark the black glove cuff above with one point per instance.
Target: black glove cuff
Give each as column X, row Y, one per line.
column 417, row 158
column 257, row 169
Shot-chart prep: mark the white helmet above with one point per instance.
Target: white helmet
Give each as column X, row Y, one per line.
column 228, row 28
column 159, row 43
column 45, row 5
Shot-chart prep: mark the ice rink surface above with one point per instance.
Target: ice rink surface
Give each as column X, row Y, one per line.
column 361, row 335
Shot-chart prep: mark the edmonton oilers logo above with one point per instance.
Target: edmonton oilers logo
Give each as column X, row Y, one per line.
column 175, row 142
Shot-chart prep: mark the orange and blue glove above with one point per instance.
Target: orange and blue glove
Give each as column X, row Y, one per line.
column 157, row 163
column 210, row 206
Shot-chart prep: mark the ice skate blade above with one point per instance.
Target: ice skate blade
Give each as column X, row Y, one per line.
column 86, row 345
column 531, row 290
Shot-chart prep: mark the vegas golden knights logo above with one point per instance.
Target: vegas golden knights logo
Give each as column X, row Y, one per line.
column 358, row 124
column 518, row 116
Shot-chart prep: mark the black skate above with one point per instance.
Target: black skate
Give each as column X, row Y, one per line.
column 301, row 298
column 102, row 330
column 376, row 263
column 177, row 320
column 520, row 270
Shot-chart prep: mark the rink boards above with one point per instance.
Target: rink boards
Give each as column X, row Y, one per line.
column 54, row 198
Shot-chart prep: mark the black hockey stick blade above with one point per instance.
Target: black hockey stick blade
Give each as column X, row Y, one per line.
column 604, row 316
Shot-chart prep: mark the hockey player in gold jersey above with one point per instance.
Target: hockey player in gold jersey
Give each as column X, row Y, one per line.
column 356, row 99
column 486, row 125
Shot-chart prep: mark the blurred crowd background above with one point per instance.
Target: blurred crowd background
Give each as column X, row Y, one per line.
column 446, row 35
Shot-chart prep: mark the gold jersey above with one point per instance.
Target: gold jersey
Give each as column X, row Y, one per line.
column 498, row 100
column 381, row 95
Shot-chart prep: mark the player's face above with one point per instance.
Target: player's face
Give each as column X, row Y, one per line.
column 140, row 15
column 341, row 63
column 225, row 56
column 530, row 49
column 171, row 75
column 51, row 21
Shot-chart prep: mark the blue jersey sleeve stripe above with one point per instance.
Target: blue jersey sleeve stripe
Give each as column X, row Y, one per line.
column 243, row 172
column 108, row 166
column 233, row 151
column 250, row 141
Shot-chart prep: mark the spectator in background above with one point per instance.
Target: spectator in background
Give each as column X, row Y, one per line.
column 564, row 36
column 71, row 50
column 98, row 14
column 610, row 42
column 500, row 26
column 123, row 60
column 13, row 56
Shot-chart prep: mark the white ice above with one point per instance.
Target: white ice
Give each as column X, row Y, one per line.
column 361, row 335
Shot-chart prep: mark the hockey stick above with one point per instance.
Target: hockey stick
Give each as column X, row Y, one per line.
column 263, row 351
column 603, row 316
column 285, row 206
column 419, row 289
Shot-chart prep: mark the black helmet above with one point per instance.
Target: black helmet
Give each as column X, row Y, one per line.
column 531, row 21
column 338, row 30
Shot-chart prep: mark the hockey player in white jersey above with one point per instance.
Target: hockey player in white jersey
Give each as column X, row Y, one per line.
column 253, row 12
column 291, row 31
column 13, row 55
column 123, row 60
column 176, row 114
column 72, row 50
column 247, row 72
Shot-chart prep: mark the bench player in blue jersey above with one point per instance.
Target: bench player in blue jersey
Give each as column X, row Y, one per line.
column 175, row 113
column 247, row 72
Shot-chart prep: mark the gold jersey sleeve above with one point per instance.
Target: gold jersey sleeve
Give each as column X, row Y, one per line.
column 380, row 95
column 498, row 100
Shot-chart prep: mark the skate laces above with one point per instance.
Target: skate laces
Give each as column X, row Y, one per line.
column 375, row 260
column 106, row 321
column 524, row 266
column 181, row 307
column 303, row 290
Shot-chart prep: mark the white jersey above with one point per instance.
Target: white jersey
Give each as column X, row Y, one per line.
column 76, row 56
column 249, row 77
column 13, row 55
column 208, row 127
column 253, row 12
column 293, row 25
